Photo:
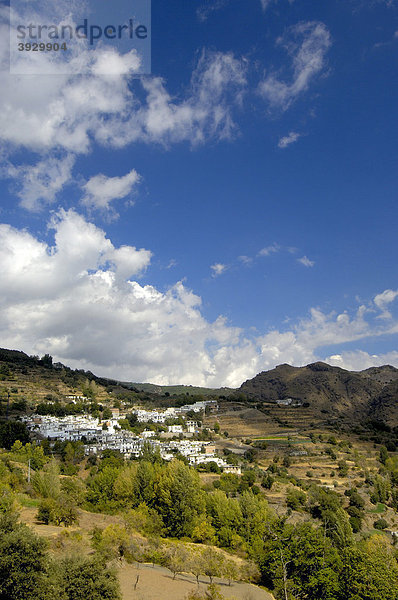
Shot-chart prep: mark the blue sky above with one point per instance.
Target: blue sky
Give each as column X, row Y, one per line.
column 231, row 211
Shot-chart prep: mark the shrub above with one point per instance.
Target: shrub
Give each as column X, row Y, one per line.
column 295, row 499
column 46, row 511
column 380, row 524
column 60, row 512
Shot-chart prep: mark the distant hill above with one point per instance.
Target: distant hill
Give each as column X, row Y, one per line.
column 324, row 392
column 26, row 381
column 182, row 389
column 353, row 396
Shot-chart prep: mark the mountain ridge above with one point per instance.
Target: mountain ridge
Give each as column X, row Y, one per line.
column 352, row 396
column 372, row 393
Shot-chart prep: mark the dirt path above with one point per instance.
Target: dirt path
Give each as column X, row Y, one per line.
column 156, row 583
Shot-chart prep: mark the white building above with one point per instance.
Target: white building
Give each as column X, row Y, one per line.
column 174, row 429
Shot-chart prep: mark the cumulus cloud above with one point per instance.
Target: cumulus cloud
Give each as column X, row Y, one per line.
column 306, row 44
column 289, row 139
column 102, row 105
column 79, row 299
column 40, row 183
column 62, row 117
column 99, row 191
column 218, row 269
column 358, row 360
column 304, row 260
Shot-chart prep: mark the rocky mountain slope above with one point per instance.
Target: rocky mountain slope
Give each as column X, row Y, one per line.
column 369, row 394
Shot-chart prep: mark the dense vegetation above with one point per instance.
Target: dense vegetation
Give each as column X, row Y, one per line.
column 319, row 557
column 28, row 571
column 316, row 532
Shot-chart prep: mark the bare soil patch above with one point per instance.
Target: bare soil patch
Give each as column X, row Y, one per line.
column 156, row 583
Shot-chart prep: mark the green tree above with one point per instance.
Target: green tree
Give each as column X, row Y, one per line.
column 107, row 414
column 180, row 499
column 145, row 483
column 46, row 483
column 383, row 455
column 204, row 532
column 213, row 563
column 326, row 506
column 176, row 559
column 82, row 578
column 342, row 468
column 381, row 490
column 380, row 524
column 47, row 361
column 100, row 489
column 11, row 431
column 74, row 488
column 369, row 571
column 225, row 515
column 296, row 498
column 23, row 572
column 124, row 485
column 256, row 516
column 145, row 519
column 267, row 481
column 196, row 564
column 59, row 512
column 299, row 562
column 230, row 571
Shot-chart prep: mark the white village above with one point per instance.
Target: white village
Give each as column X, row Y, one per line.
column 107, row 434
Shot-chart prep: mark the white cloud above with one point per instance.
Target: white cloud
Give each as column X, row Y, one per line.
column 103, row 105
column 268, row 250
column 66, row 115
column 217, row 84
column 358, row 360
column 306, row 261
column 40, row 183
column 99, row 191
column 383, row 300
column 246, row 260
column 218, row 269
column 77, row 300
column 172, row 263
column 291, row 138
column 307, row 44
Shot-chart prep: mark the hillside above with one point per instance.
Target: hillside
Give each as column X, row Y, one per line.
column 385, row 406
column 29, row 379
column 180, row 389
column 26, row 381
column 163, row 529
column 322, row 392
column 383, row 375
column 327, row 390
